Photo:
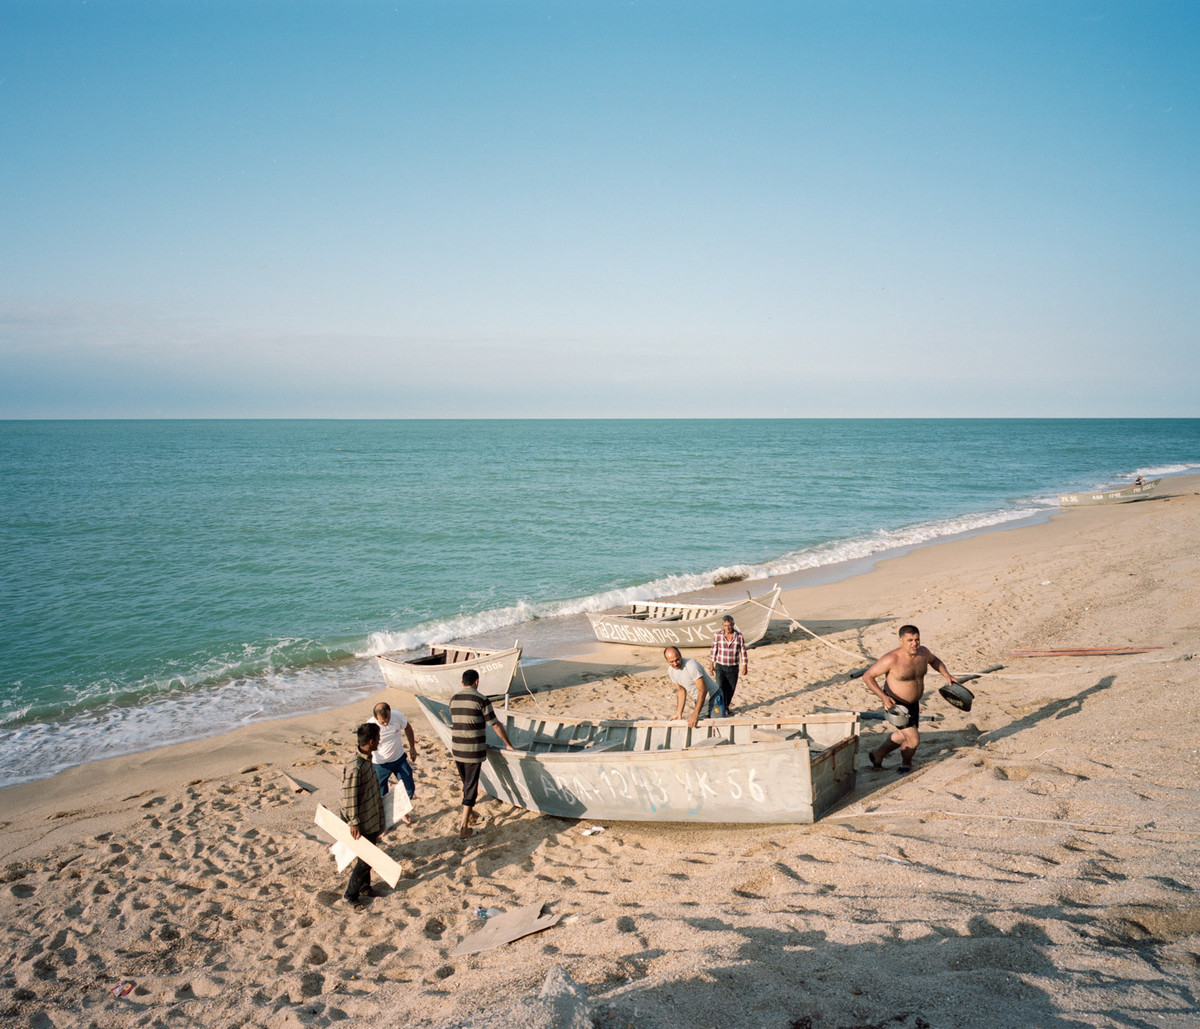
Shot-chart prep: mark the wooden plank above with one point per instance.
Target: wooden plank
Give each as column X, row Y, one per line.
column 1093, row 651
column 708, row 744
column 1139, row 647
column 387, row 869
column 765, row 735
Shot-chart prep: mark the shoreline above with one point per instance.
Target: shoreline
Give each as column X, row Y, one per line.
column 579, row 645
column 579, row 661
column 1041, row 854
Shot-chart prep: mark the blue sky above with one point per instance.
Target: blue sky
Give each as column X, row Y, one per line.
column 646, row 209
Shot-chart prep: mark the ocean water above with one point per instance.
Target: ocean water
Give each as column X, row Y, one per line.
column 166, row 580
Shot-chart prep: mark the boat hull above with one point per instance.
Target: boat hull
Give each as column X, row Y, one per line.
column 684, row 625
column 440, row 673
column 1112, row 496
column 729, row 770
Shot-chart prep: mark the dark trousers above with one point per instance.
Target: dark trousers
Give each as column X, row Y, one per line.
column 469, row 773
column 360, row 876
column 727, row 677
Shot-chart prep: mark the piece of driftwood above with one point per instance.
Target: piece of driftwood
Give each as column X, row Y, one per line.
column 512, row 925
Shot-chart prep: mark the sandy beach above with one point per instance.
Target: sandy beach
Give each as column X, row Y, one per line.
column 1038, row 868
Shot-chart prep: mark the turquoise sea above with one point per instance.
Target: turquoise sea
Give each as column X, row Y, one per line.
column 166, row 580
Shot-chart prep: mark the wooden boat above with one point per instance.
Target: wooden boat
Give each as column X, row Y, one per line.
column 666, row 624
column 439, row 673
column 764, row 770
column 1112, row 496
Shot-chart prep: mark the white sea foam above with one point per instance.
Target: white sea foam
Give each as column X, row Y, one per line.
column 1146, row 472
column 1156, row 471
column 36, row 750
column 482, row 623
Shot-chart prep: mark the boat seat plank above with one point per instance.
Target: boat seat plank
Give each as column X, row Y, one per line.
column 708, row 744
column 774, row 735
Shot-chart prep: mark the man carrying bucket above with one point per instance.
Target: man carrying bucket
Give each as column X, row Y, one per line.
column 904, row 672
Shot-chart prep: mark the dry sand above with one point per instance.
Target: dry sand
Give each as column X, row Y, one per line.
column 1039, row 868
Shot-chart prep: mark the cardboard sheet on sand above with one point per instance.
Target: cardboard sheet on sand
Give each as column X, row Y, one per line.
column 387, row 869
column 512, row 925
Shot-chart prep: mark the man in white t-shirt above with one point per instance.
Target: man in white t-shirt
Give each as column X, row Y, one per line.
column 692, row 685
column 390, row 756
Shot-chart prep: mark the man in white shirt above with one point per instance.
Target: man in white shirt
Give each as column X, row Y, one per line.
column 390, row 756
column 692, row 684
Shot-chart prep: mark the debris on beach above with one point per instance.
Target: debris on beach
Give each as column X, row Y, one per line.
column 506, row 927
column 295, row 785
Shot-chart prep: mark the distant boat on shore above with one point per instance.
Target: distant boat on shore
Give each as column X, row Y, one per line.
column 1138, row 491
column 765, row 770
column 439, row 673
column 666, row 624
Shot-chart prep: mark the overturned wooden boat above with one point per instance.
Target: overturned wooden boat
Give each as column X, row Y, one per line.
column 1138, row 491
column 439, row 673
column 763, row 770
column 667, row 624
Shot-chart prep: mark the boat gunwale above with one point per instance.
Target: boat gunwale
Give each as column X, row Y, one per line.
column 710, row 610
column 820, row 717
column 477, row 652
column 725, row 752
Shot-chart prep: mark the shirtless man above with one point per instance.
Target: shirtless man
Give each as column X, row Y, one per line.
column 904, row 683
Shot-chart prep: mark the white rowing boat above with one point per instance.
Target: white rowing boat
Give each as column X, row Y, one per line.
column 1112, row 496
column 439, row 673
column 763, row 770
column 666, row 624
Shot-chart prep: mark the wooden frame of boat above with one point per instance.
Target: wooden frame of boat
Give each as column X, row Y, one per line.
column 759, row 770
column 1112, row 496
column 668, row 624
column 439, row 673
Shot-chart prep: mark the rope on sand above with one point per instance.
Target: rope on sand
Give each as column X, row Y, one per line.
column 796, row 625
column 528, row 692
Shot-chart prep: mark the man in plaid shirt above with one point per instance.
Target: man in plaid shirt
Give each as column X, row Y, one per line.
column 362, row 808
column 728, row 651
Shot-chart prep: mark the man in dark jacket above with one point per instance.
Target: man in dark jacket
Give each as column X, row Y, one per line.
column 362, row 808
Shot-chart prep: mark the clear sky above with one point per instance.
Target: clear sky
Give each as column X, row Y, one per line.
column 592, row 208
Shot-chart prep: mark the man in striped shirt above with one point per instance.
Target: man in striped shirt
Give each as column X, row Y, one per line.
column 728, row 651
column 470, row 713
